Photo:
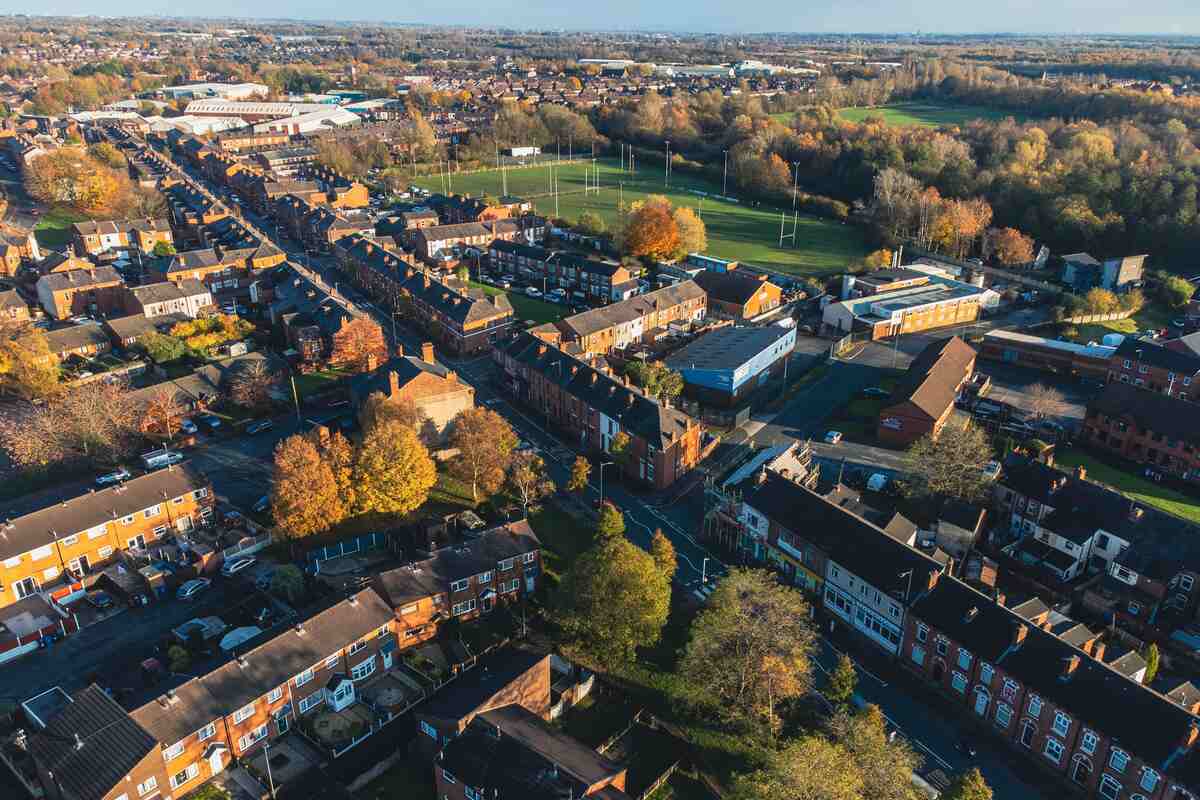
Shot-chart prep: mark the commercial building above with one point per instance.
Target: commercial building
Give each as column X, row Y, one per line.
column 1089, row 361
column 919, row 308
column 723, row 366
column 924, row 399
column 248, row 111
column 321, row 118
column 223, row 91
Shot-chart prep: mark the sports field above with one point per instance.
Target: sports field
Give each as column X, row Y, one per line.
column 735, row 231
column 929, row 115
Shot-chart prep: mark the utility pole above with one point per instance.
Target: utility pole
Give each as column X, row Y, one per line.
column 667, row 166
column 725, row 176
column 795, row 182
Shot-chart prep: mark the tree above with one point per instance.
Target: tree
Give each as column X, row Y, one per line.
column 968, row 785
column 338, row 454
column 1100, row 301
column 886, row 765
column 358, row 343
column 528, row 479
column 378, row 407
column 580, row 470
column 664, row 553
column 1008, row 246
column 614, row 599
column 657, row 380
column 485, row 442
column 1045, row 400
column 251, row 384
column 1175, row 291
column 163, row 249
column 590, row 223
column 610, row 524
column 749, row 651
column 1152, row 658
column 651, row 231
column 842, row 682
column 288, row 583
column 304, row 493
column 393, row 471
column 27, row 367
column 810, row 768
column 163, row 413
column 162, row 348
column 621, row 449
column 951, row 464
column 178, row 658
column 878, row 259
column 693, row 237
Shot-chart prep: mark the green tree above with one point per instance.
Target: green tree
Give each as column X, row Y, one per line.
column 392, row 470
column 304, row 494
column 178, row 658
column 580, row 470
column 162, row 348
column 968, row 785
column 611, row 523
column 664, row 553
column 886, row 765
column 1152, row 658
column 810, row 768
column 288, row 582
column 842, row 682
column 590, row 223
column 614, row 599
column 163, row 249
column 656, row 380
column 620, row 448
column 1175, row 291
column 749, row 651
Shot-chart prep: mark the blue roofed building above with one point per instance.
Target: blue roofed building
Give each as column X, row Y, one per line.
column 724, row 366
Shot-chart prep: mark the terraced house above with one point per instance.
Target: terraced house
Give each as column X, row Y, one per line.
column 171, row 742
column 607, row 281
column 94, row 238
column 52, row 540
column 594, row 408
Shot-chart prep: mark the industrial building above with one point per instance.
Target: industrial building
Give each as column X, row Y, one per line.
column 724, row 366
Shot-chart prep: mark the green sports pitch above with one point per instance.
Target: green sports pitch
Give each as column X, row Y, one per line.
column 735, row 230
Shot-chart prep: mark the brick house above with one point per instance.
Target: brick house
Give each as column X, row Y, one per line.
column 1102, row 734
column 13, row 306
column 84, row 341
column 93, row 238
column 923, row 400
column 1149, row 365
column 739, row 294
column 99, row 290
column 1146, row 428
column 594, row 278
column 65, row 533
column 631, row 321
column 188, row 297
column 436, row 392
column 593, row 407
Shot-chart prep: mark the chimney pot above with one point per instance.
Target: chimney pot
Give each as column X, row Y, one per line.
column 1081, row 472
column 1020, row 631
column 1070, row 664
column 427, row 352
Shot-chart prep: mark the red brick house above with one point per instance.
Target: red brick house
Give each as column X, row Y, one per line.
column 1147, row 364
column 1147, row 428
column 924, row 400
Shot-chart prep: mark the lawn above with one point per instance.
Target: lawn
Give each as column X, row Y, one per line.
column 929, row 115
column 735, row 231
column 1131, row 485
column 314, row 382
column 451, row 491
column 524, row 306
column 563, row 537
column 54, row 228
column 405, row 780
column 1151, row 316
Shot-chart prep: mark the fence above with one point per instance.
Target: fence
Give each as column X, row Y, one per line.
column 666, row 776
column 251, row 544
column 346, row 547
column 1084, row 319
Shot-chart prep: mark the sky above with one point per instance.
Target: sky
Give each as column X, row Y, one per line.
column 718, row 16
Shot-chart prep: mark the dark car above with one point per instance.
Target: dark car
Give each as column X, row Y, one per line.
column 259, row 425
column 100, row 599
column 210, row 421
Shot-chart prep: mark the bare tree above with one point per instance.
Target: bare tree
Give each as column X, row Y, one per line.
column 528, row 479
column 250, row 387
column 950, row 465
column 163, row 413
column 1045, row 400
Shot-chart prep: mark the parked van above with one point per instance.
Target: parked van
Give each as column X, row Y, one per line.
column 158, row 459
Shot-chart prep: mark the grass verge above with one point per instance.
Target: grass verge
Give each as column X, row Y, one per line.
column 1131, row 485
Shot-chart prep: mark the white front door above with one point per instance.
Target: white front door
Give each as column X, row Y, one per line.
column 387, row 659
column 215, row 763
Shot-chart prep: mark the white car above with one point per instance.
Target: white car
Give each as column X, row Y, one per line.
column 113, row 477
column 188, row 427
column 833, row 437
column 532, row 292
column 236, row 565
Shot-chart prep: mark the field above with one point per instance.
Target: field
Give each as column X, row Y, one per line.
column 526, row 307
column 54, row 228
column 929, row 115
column 735, row 231
column 1131, row 485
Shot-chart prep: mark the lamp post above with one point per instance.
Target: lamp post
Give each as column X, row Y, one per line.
column 267, row 758
column 908, row 588
column 725, row 176
column 704, row 572
column 667, row 166
column 603, row 464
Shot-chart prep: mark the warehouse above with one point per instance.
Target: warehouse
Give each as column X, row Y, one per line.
column 724, row 366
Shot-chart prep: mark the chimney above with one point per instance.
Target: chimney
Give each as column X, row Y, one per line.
column 451, row 375
column 427, row 352
column 1069, row 665
column 399, row 351
column 1098, row 652
column 593, row 379
column 393, row 383
column 1190, row 735
column 372, row 362
column 1020, row 631
column 1080, row 472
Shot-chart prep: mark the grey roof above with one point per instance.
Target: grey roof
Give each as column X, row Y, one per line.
column 137, row 325
column 735, row 286
column 238, row 681
column 34, row 520
column 1145, row 351
column 81, row 278
column 113, row 744
column 570, row 755
column 726, row 348
column 75, row 337
column 1150, row 411
column 598, row 319
column 476, row 687
column 161, row 292
column 11, row 299
column 406, row 368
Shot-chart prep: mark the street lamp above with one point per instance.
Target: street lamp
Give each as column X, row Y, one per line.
column 267, row 758
column 704, row 572
column 667, row 165
column 603, row 464
column 908, row 588
column 725, row 176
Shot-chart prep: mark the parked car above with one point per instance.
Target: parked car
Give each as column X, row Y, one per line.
column 259, row 425
column 193, row 588
column 113, row 477
column 210, row 421
column 100, row 600
column 236, row 565
column 189, row 427
column 876, row 391
column 533, row 292
column 158, row 459
column 833, row 437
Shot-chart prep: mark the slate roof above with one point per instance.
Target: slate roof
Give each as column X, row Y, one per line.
column 137, row 325
column 238, row 681
column 1149, row 352
column 643, row 416
column 726, row 349
column 34, row 520
column 932, row 380
column 11, row 300
column 736, row 286
column 406, row 369
column 474, row 688
column 1095, row 694
column 75, row 337
column 81, row 278
column 113, row 745
column 599, row 319
column 1150, row 411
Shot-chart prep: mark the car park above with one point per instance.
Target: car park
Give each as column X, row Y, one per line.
column 236, row 565
column 113, row 477
column 193, row 588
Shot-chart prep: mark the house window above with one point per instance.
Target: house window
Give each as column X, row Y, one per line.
column 1088, row 742
column 274, row 694
column 1149, row 779
column 1186, row 582
column 985, row 674
column 1118, row 760
column 363, row 670
column 529, row 558
column 50, row 573
column 918, row 654
column 447, row 777
column 1003, row 715
column 1028, row 731
column 185, row 775
column 471, row 794
column 152, row 511
column 253, row 736
column 507, row 564
column 1110, row 788
column 172, row 752
column 463, row 608
column 354, row 648
column 1035, row 706
column 459, row 586
column 15, row 561
column 70, row 540
column 243, row 714
column 383, row 631
column 1053, row 750
column 484, row 577
column 207, row 732
column 148, row 785
column 332, row 662
column 304, row 677
column 959, row 682
column 105, row 551
column 922, row 632
column 1134, row 608
column 964, row 659
column 1062, row 723
column 127, row 520
column 312, row 701
column 411, row 608
column 200, row 494
column 942, row 646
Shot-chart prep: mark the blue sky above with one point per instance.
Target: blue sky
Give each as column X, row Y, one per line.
column 933, row 16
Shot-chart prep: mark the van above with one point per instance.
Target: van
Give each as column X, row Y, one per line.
column 161, row 458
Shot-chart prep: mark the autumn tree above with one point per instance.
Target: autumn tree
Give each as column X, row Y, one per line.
column 610, row 524
column 163, row 413
column 621, row 449
column 1044, row 400
column 1175, row 291
column 73, row 178
column 950, row 464
column 304, row 494
column 878, row 259
column 1152, row 659
column 885, row 764
column 664, row 553
column 650, row 230
column 161, row 348
column 528, row 479
column 693, row 236
column 288, row 582
column 338, row 454
column 809, row 768
column 968, row 785
column 842, row 682
column 485, row 443
column 750, row 651
column 393, row 472
column 358, row 344
column 656, row 380
column 580, row 470
column 378, row 407
column 28, row 369
column 1100, row 301
column 1008, row 246
column 614, row 599
column 251, row 384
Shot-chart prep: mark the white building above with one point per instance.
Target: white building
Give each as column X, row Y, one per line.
column 319, row 119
